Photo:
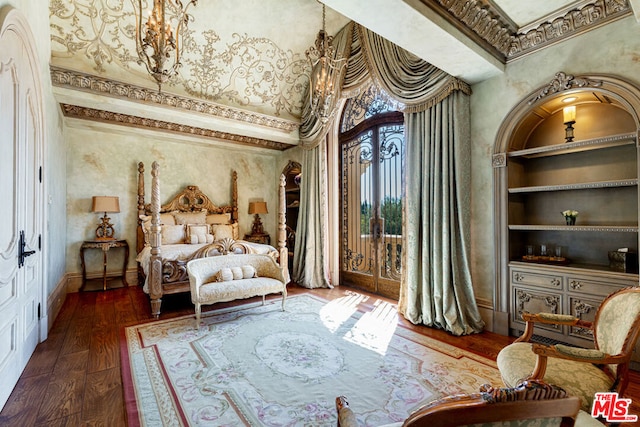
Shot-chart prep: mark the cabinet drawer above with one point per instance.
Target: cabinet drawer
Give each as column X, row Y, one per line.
column 535, row 301
column 584, row 308
column 582, row 285
column 538, row 280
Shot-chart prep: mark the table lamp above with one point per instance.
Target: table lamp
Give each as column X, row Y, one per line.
column 257, row 208
column 106, row 204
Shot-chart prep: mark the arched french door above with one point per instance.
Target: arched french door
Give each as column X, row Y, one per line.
column 371, row 163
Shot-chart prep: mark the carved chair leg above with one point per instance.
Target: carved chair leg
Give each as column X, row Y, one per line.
column 198, row 311
column 155, row 307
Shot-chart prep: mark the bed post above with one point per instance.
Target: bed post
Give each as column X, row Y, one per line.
column 282, row 228
column 139, row 230
column 155, row 263
column 234, row 197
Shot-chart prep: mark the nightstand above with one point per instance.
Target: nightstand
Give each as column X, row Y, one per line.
column 105, row 246
column 265, row 239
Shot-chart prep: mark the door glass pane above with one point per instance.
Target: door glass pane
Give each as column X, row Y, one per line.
column 357, row 204
column 390, row 199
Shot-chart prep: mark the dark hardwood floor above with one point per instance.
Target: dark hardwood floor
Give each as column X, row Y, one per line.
column 74, row 379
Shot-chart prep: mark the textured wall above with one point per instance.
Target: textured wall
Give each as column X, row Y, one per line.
column 105, row 163
column 612, row 49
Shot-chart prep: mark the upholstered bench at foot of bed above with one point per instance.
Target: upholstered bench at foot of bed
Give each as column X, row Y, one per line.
column 206, row 287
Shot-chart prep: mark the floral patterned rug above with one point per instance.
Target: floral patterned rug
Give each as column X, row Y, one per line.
column 255, row 365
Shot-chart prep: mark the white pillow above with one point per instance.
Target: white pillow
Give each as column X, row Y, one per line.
column 248, row 271
column 172, row 234
column 222, row 231
column 224, row 275
column 190, row 217
column 197, row 233
column 218, row 218
column 237, row 273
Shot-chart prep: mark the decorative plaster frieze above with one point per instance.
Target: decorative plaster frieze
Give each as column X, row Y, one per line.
column 562, row 82
column 491, row 26
column 100, row 86
column 75, row 111
column 573, row 22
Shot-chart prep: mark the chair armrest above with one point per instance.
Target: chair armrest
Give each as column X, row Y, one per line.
column 577, row 354
column 346, row 417
column 561, row 351
column 549, row 319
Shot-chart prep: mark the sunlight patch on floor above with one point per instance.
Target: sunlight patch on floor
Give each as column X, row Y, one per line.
column 375, row 328
column 336, row 312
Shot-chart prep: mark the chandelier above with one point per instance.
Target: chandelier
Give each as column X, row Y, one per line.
column 325, row 71
column 157, row 45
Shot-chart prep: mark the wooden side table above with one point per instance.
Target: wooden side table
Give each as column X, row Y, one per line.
column 104, row 245
column 265, row 239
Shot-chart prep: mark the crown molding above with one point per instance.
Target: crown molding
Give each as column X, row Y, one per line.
column 489, row 27
column 78, row 112
column 66, row 78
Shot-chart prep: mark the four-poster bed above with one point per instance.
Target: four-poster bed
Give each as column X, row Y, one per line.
column 187, row 227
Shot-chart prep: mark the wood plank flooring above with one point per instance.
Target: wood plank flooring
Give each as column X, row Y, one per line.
column 74, row 379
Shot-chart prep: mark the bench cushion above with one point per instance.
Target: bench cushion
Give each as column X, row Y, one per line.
column 239, row 289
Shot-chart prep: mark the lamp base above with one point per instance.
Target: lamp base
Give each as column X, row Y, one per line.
column 105, row 229
column 256, row 227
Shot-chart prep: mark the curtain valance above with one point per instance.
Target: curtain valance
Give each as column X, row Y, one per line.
column 411, row 83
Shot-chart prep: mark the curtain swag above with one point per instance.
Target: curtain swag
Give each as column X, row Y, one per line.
column 412, row 84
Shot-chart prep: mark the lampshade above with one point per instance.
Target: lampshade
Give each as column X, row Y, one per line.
column 105, row 204
column 258, row 208
column 569, row 114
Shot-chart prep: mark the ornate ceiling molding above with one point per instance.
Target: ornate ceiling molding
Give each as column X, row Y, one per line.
column 61, row 77
column 488, row 26
column 93, row 114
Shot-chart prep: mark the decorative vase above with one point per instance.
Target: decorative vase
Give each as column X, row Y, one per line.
column 570, row 216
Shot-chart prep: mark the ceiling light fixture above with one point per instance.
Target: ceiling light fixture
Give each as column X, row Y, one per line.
column 156, row 42
column 325, row 71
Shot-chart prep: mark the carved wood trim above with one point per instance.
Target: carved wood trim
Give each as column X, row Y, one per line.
column 61, row 77
column 94, row 114
column 192, row 199
column 492, row 29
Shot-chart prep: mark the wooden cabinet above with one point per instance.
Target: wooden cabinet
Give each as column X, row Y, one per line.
column 538, row 175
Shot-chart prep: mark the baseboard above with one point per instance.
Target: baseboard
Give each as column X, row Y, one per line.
column 485, row 307
column 55, row 300
column 75, row 279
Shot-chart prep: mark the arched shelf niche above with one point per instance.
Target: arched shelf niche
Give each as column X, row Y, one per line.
column 538, row 174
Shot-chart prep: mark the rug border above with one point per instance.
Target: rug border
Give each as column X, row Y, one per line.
column 131, row 405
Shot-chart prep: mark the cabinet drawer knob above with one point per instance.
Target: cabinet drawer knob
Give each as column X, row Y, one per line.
column 574, row 284
column 518, row 277
column 555, row 281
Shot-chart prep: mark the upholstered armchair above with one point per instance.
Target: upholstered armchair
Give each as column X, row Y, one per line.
column 581, row 372
column 532, row 403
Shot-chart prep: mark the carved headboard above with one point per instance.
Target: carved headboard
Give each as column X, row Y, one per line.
column 190, row 199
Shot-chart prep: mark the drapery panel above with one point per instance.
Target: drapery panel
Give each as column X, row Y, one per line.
column 436, row 286
column 310, row 262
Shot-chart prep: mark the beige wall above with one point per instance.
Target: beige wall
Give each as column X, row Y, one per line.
column 612, row 49
column 103, row 161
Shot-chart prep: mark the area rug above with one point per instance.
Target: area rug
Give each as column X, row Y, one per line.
column 255, row 365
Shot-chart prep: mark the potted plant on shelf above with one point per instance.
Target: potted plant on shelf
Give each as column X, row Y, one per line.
column 570, row 216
